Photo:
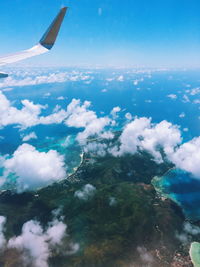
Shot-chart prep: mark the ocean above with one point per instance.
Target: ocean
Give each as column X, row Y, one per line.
column 171, row 95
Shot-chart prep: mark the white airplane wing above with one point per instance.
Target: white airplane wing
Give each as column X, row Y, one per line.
column 45, row 44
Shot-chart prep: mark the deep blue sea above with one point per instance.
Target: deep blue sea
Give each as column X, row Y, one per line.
column 159, row 94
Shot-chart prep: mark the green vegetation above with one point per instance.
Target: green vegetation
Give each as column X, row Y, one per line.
column 124, row 212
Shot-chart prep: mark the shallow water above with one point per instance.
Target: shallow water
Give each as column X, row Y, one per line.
column 183, row 188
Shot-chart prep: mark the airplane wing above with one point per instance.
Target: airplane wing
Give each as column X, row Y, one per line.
column 45, row 44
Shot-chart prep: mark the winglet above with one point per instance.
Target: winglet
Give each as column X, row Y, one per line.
column 49, row 38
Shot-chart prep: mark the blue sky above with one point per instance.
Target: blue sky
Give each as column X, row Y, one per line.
column 149, row 33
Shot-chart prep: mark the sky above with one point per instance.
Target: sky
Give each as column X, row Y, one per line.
column 129, row 33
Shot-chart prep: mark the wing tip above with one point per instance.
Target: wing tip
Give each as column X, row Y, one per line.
column 49, row 38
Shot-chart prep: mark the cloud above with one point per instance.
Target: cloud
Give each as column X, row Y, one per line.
column 137, row 81
column 26, row 117
column 31, row 77
column 29, row 115
column 96, row 148
column 60, row 98
column 187, row 157
column 93, row 128
column 172, row 96
column 33, row 168
column 114, row 112
column 80, row 116
column 191, row 229
column 35, row 243
column 120, row 78
column 142, row 134
column 185, row 99
column 30, row 136
column 128, row 116
column 86, row 192
column 194, row 91
column 76, row 115
column 182, row 115
column 2, row 227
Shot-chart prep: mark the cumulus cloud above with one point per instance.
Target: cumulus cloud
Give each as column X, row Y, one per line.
column 114, row 112
column 35, row 78
column 33, row 168
column 128, row 116
column 27, row 116
column 172, row 96
column 32, row 243
column 187, row 157
column 36, row 244
column 95, row 127
column 86, row 192
column 142, row 134
column 96, row 148
column 80, row 116
column 30, row 136
column 76, row 115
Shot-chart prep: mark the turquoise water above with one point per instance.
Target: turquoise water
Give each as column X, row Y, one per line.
column 183, row 188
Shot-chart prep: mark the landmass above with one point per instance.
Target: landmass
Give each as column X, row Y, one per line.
column 124, row 222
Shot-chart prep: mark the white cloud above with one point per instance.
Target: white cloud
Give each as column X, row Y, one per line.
column 187, row 157
column 137, row 81
column 79, row 116
column 172, row 96
column 86, row 192
column 30, row 136
column 195, row 91
column 35, row 244
column 196, row 101
column 35, row 78
column 185, row 99
column 128, row 116
column 191, row 229
column 60, row 98
column 26, row 117
column 35, row 169
column 141, row 134
column 29, row 115
column 120, row 78
column 182, row 115
column 185, row 129
column 96, row 148
column 114, row 112
column 2, row 237
column 95, row 127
